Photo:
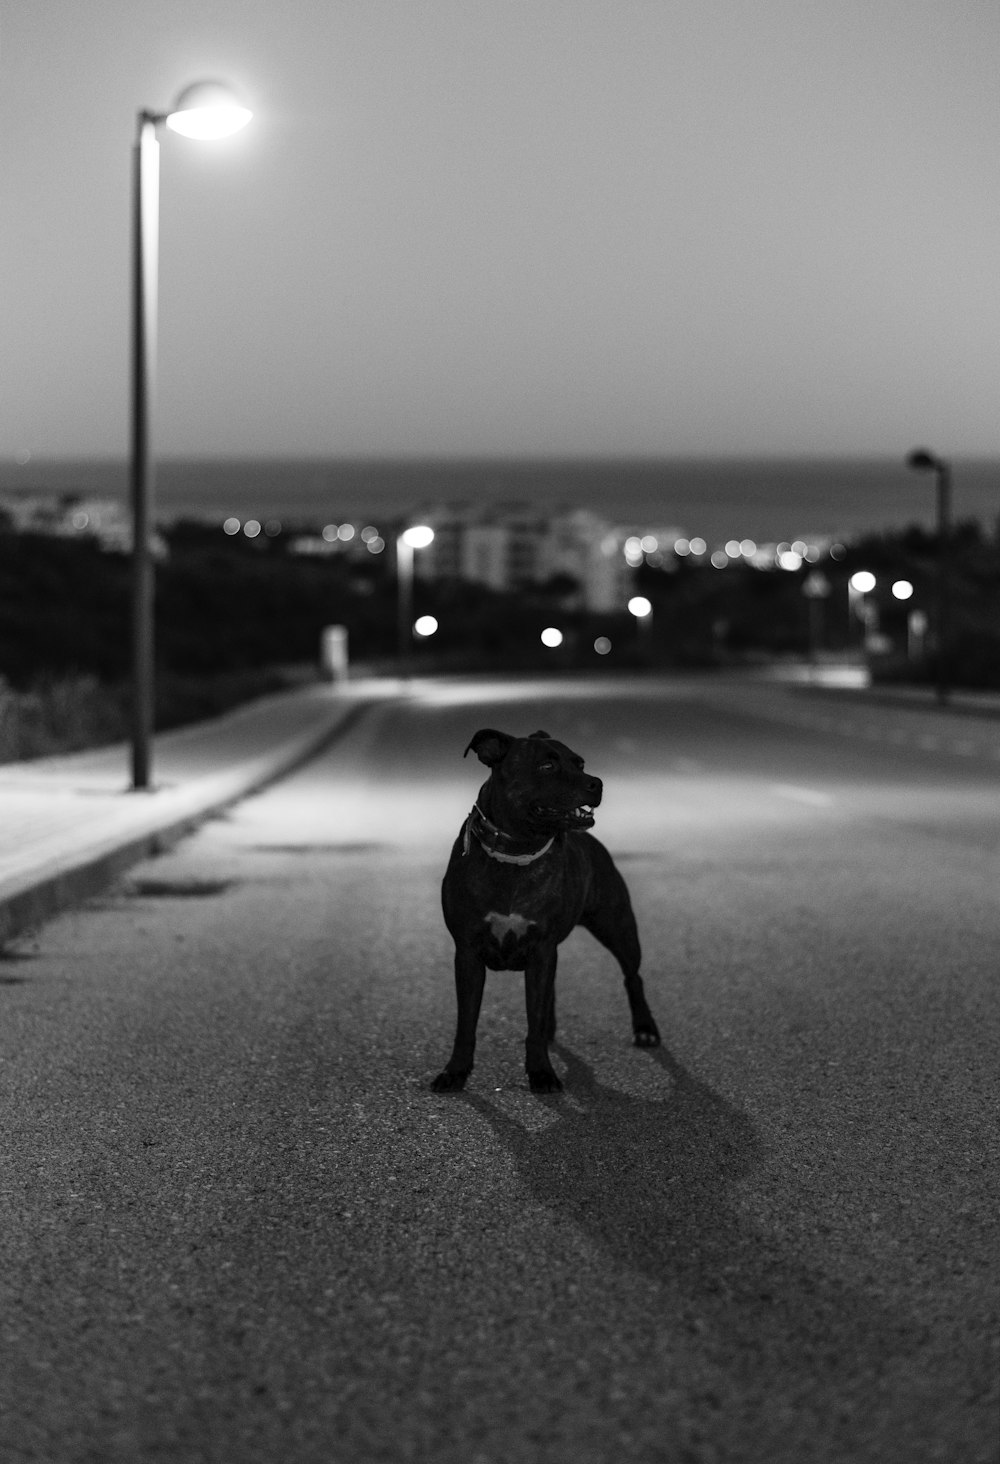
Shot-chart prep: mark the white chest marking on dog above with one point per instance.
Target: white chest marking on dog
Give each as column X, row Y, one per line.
column 502, row 925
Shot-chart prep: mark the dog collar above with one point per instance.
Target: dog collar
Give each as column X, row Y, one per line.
column 487, row 835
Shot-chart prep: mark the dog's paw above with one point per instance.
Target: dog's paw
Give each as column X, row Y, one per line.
column 544, row 1080
column 647, row 1035
column 447, row 1082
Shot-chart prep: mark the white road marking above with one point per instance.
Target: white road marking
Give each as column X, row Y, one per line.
column 810, row 796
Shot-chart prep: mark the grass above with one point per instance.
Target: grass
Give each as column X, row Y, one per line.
column 73, row 713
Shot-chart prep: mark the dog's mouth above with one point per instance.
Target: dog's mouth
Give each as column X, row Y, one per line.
column 570, row 819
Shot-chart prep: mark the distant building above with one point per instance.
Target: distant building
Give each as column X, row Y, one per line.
column 512, row 546
column 75, row 516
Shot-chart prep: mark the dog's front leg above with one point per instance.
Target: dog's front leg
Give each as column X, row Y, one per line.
column 470, row 978
column 539, row 996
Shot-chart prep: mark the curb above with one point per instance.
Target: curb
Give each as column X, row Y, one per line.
column 67, row 881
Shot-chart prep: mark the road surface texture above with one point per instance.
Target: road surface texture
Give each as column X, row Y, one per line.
column 236, row 1225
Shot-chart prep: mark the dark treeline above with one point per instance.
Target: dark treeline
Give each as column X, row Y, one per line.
column 233, row 608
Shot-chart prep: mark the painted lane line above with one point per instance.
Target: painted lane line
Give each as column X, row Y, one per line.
column 802, row 795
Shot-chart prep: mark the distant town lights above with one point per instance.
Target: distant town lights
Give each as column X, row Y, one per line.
column 551, row 637
column 902, row 590
column 425, row 625
column 639, row 606
column 863, row 581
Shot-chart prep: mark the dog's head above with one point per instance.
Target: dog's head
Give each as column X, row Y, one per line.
column 538, row 785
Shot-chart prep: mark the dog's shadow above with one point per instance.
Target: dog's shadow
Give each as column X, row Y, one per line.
column 647, row 1178
column 655, row 1184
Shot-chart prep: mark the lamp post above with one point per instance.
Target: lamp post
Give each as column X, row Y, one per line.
column 416, row 537
column 642, row 609
column 922, row 461
column 206, row 110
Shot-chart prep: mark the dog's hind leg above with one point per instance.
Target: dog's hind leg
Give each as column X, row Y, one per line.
column 613, row 924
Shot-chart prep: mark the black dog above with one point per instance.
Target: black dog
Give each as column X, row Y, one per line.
column 522, row 874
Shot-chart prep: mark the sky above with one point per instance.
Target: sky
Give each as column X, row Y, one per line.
column 511, row 227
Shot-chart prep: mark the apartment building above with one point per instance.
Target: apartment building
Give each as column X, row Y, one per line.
column 511, row 546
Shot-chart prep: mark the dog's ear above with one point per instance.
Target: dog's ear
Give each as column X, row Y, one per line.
column 546, row 735
column 490, row 746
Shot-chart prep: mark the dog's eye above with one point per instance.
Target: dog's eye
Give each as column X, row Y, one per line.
column 546, row 767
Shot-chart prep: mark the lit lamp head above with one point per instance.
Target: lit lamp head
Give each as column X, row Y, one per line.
column 418, row 537
column 208, row 110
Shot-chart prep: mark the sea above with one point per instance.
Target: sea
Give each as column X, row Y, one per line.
column 717, row 499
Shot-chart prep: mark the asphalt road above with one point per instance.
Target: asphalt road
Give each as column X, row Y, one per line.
column 236, row 1225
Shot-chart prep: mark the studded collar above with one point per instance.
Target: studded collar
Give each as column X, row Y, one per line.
column 490, row 838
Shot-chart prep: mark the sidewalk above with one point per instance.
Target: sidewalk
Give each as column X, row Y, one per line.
column 69, row 825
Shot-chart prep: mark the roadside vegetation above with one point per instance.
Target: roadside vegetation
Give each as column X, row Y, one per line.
column 236, row 619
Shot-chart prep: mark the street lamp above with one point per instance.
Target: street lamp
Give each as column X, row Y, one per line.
column 642, row 609
column 206, row 110
column 922, row 461
column 859, row 586
column 416, row 537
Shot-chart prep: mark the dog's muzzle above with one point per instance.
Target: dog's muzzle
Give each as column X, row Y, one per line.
column 565, row 820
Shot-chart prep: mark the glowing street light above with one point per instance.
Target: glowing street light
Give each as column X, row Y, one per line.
column 642, row 609
column 417, row 536
column 859, row 585
column 208, row 109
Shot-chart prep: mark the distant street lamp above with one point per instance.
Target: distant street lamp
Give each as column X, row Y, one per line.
column 858, row 586
column 206, row 110
column 642, row 609
column 416, row 537
column 816, row 588
column 922, row 461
